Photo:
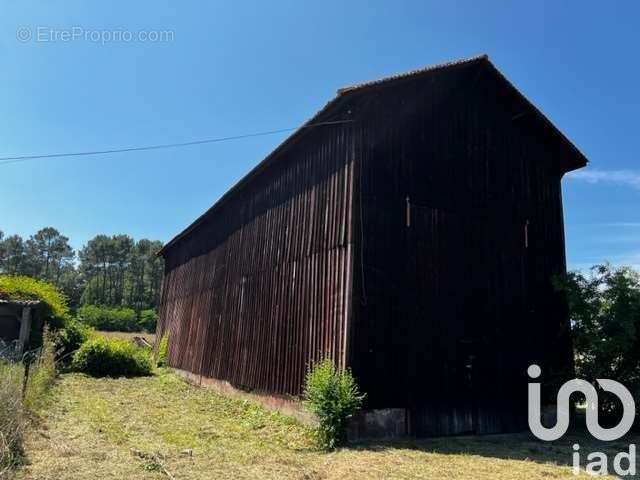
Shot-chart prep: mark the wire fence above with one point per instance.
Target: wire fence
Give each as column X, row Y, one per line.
column 25, row 379
column 10, row 351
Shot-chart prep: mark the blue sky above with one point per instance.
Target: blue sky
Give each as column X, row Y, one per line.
column 239, row 67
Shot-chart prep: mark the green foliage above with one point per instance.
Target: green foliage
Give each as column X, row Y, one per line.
column 605, row 318
column 333, row 396
column 67, row 333
column 42, row 374
column 18, row 287
column 101, row 357
column 112, row 270
column 12, row 255
column 148, row 320
column 120, row 271
column 70, row 338
column 119, row 319
column 163, row 350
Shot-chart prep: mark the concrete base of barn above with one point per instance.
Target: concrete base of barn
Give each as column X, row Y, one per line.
column 387, row 424
column 373, row 424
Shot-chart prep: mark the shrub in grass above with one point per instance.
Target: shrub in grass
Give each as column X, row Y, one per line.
column 163, row 349
column 69, row 339
column 101, row 357
column 333, row 396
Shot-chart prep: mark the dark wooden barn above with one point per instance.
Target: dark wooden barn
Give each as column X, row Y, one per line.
column 410, row 230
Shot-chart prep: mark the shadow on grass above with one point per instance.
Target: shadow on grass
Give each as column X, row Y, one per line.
column 519, row 446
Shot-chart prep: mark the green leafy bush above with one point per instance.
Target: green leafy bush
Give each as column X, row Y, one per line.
column 605, row 317
column 18, row 287
column 67, row 334
column 333, row 396
column 148, row 320
column 118, row 319
column 70, row 338
column 101, row 357
column 163, row 350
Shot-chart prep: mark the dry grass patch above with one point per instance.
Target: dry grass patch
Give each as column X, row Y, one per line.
column 144, row 427
column 149, row 337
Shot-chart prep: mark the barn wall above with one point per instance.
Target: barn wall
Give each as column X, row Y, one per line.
column 393, row 132
column 314, row 256
column 264, row 286
column 451, row 309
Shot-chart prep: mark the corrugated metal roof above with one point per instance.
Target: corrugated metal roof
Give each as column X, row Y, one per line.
column 412, row 73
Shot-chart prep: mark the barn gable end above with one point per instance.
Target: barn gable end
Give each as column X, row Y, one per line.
column 411, row 234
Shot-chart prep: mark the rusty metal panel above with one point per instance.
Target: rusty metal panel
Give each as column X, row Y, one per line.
column 415, row 244
column 263, row 287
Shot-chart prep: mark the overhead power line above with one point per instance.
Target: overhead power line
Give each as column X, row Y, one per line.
column 23, row 158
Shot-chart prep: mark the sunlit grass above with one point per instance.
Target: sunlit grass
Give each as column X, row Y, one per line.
column 135, row 428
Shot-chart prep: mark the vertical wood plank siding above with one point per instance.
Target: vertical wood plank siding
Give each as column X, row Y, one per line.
column 439, row 313
column 264, row 286
column 451, row 310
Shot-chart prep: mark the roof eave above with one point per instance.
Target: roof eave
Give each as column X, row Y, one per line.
column 578, row 159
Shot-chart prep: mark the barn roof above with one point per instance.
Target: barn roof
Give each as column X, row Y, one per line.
column 579, row 159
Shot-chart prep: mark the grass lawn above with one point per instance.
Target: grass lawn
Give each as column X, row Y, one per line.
column 149, row 337
column 160, row 427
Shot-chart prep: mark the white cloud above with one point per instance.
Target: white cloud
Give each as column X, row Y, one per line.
column 631, row 259
column 620, row 224
column 629, row 178
column 628, row 259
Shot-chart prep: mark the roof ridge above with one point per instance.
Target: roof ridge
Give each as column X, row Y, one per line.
column 341, row 94
column 413, row 72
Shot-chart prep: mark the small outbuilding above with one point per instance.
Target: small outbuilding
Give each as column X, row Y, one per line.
column 410, row 231
column 18, row 319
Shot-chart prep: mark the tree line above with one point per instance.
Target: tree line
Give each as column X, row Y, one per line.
column 112, row 271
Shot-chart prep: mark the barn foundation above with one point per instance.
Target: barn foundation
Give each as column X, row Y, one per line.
column 383, row 424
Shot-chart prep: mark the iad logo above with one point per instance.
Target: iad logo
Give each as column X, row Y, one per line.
column 599, row 463
column 591, row 396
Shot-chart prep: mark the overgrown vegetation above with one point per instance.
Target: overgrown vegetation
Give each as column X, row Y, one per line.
column 11, row 415
column 19, row 401
column 66, row 332
column 42, row 374
column 18, row 287
column 605, row 317
column 102, row 357
column 163, row 350
column 117, row 319
column 333, row 396
column 69, row 339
